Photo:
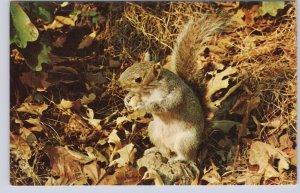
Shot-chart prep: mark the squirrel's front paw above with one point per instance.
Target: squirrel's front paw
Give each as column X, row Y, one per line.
column 132, row 102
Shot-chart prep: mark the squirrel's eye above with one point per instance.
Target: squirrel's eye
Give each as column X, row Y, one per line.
column 138, row 80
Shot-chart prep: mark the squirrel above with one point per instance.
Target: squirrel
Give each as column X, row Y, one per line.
column 178, row 117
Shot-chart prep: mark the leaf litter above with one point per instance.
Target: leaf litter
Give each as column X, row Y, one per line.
column 69, row 126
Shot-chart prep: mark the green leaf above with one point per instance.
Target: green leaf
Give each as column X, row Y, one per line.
column 64, row 4
column 43, row 57
column 270, row 7
column 35, row 55
column 44, row 14
column 95, row 19
column 23, row 30
column 93, row 13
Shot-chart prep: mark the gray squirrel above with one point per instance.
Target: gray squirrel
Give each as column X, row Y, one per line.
column 178, row 118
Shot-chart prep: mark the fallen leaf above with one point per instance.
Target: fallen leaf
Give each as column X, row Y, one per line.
column 251, row 14
column 285, row 141
column 60, row 21
column 19, row 148
column 115, row 139
column 270, row 172
column 77, row 125
column 93, row 122
column 65, row 104
column 122, row 119
column 59, row 42
column 153, row 175
column 28, row 136
column 211, row 175
column 216, row 83
column 292, row 153
column 79, row 156
column 87, row 40
column 24, row 30
column 36, row 123
column 238, row 18
column 35, row 80
column 35, row 109
column 64, row 70
column 17, row 56
column 96, row 155
column 250, row 178
column 114, row 63
column 63, row 181
column 94, row 172
column 126, row 175
column 65, row 162
column 95, row 80
column 127, row 155
column 276, row 123
column 85, row 100
column 271, row 7
column 263, row 154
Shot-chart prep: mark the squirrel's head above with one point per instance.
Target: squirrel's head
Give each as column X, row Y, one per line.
column 140, row 76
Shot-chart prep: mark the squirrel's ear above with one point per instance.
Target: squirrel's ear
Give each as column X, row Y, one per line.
column 157, row 69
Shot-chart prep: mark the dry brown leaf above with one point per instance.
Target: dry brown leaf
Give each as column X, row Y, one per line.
column 90, row 118
column 270, row 172
column 37, row 123
column 64, row 70
column 87, row 40
column 216, row 83
column 285, row 141
column 76, row 125
column 79, row 156
column 35, row 109
column 153, row 175
column 115, row 139
column 276, row 123
column 114, row 63
column 65, row 104
column 66, row 163
column 95, row 80
column 94, row 172
column 251, row 14
column 211, row 175
column 35, row 80
column 292, row 153
column 126, row 175
column 264, row 154
column 96, row 155
column 127, row 155
column 19, row 148
column 238, row 18
column 60, row 21
column 28, row 136
column 59, row 41
column 85, row 100
column 17, row 56
column 63, row 181
column 21, row 153
column 250, row 178
column 122, row 119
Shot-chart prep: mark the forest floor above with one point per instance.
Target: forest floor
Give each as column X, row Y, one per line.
column 68, row 123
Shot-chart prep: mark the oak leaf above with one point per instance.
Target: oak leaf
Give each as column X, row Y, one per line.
column 127, row 155
column 31, row 108
column 263, row 155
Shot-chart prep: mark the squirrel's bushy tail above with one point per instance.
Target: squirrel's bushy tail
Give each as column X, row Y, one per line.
column 189, row 42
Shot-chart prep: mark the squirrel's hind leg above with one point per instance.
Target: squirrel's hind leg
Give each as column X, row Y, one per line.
column 185, row 149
